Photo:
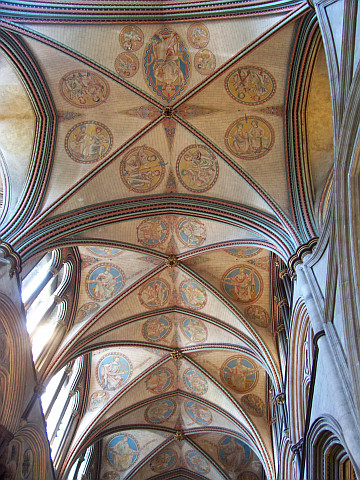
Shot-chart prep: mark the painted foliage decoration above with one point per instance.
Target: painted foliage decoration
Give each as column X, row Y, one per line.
column 198, row 35
column 253, row 404
column 199, row 413
column 191, row 232
column 152, row 232
column 194, row 329
column 88, row 142
column 195, row 381
column 84, row 89
column 113, row 371
column 104, row 281
column 160, row 380
column 142, row 169
column 155, row 294
column 239, row 373
column 122, row 451
column 250, row 138
column 234, row 454
column 157, row 328
column 205, row 62
column 160, row 411
column 131, row 38
column 197, row 462
column 242, row 284
column 250, row 85
column 164, row 460
column 193, row 295
column 126, row 65
column 258, row 315
column 197, row 168
column 166, row 64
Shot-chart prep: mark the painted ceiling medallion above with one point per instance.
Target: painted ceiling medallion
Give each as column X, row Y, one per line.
column 240, row 374
column 122, row 451
column 152, row 232
column 113, row 371
column 104, row 281
column 198, row 35
column 195, row 381
column 247, row 476
column 198, row 413
column 242, row 284
column 234, row 453
column 88, row 142
column 253, row 404
column 191, row 232
column 197, row 462
column 164, row 460
column 193, row 295
column 197, row 168
column 131, row 38
column 105, row 251
column 166, row 64
column 159, row 381
column 250, row 85
column 84, row 89
column 258, row 315
column 142, row 169
column 156, row 328
column 205, row 62
column 126, row 65
column 250, row 137
column 243, row 252
column 194, row 330
column 155, row 294
column 160, row 411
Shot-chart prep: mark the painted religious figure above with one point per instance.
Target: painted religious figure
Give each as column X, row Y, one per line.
column 88, row 142
column 131, row 38
column 250, row 85
column 164, row 460
column 142, row 169
column 250, row 476
column 105, row 251
column 195, row 381
column 152, row 232
column 258, row 315
column 159, row 381
column 243, row 252
column 250, row 138
column 253, row 404
column 205, row 62
column 197, row 462
column 159, row 412
column 198, row 35
column 98, row 399
column 198, row 413
column 122, row 451
column 166, row 64
column 193, row 295
column 234, row 454
column 156, row 328
column 83, row 88
column 86, row 311
column 194, row 329
column 126, row 64
column 111, row 475
column 155, row 294
column 242, row 284
column 113, row 371
column 191, row 232
column 240, row 374
column 104, row 281
column 197, row 168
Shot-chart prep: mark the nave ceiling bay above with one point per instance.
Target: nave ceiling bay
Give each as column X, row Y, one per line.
column 166, row 171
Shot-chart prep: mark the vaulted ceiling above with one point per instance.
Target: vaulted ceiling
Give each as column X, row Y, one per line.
column 167, row 155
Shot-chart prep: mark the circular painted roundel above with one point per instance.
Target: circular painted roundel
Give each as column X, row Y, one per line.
column 191, row 232
column 250, row 137
column 197, row 462
column 157, row 328
column 155, row 294
column 240, row 374
column 131, row 38
column 164, row 460
column 242, row 284
column 122, row 451
column 197, row 168
column 142, row 169
column 195, row 381
column 88, row 142
column 198, row 413
column 250, row 85
column 193, row 295
column 198, row 35
column 152, row 232
column 160, row 411
column 160, row 380
column 104, row 281
column 113, row 371
column 194, row 329
column 83, row 88
column 258, row 315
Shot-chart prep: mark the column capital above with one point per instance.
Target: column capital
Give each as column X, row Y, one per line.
column 298, row 257
column 9, row 254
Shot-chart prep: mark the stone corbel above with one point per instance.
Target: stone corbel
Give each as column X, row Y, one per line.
column 10, row 256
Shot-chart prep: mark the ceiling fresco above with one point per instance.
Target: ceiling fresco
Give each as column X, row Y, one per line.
column 169, row 175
